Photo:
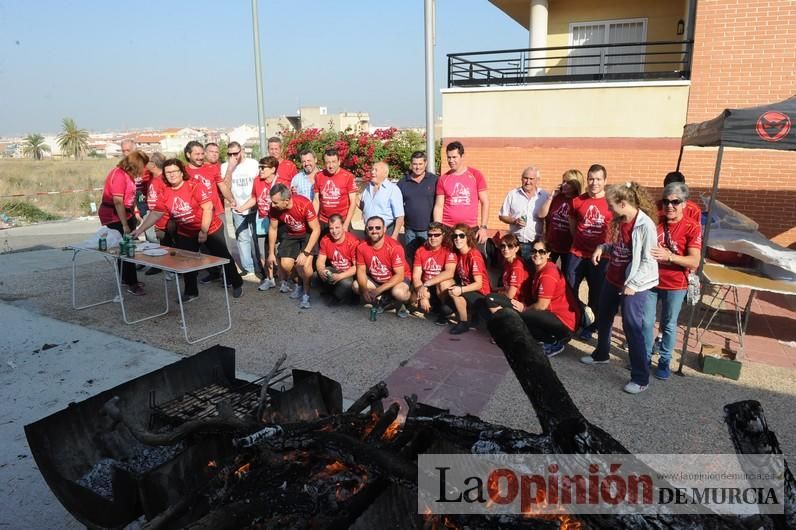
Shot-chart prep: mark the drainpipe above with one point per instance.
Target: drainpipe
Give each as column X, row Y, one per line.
column 537, row 37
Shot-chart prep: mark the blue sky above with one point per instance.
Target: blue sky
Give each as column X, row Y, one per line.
column 119, row 65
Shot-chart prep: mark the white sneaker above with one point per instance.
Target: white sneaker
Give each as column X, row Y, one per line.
column 305, row 301
column 590, row 360
column 286, row 287
column 266, row 284
column 634, row 388
column 298, row 290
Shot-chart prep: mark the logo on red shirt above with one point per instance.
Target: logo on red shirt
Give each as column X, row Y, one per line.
column 330, row 191
column 431, row 267
column 460, row 195
column 378, row 269
column 593, row 218
column 294, row 224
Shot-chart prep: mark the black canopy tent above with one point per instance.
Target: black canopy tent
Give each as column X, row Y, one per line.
column 765, row 127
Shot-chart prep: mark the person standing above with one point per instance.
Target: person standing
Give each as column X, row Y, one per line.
column 382, row 198
column 117, row 209
column 304, row 181
column 239, row 173
column 556, row 214
column 418, row 189
column 679, row 250
column 522, row 209
column 213, row 155
column 287, row 169
column 631, row 273
column 589, row 220
column 459, row 193
column 335, row 191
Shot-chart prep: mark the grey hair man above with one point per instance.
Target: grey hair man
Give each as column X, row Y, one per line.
column 521, row 210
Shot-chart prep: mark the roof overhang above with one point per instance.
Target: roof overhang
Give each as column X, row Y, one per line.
column 519, row 10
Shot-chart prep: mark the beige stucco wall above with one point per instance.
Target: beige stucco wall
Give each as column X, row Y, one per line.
column 634, row 110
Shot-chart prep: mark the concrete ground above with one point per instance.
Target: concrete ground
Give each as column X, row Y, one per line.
column 465, row 373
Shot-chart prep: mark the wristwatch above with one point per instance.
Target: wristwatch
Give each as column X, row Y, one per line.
column 306, row 253
column 482, row 226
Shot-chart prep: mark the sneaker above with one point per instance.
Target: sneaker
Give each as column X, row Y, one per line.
column 552, row 349
column 662, row 372
column 245, row 273
column 591, row 360
column 286, row 287
column 305, row 301
column 136, row 289
column 442, row 320
column 634, row 388
column 586, row 334
column 459, row 328
column 403, row 312
column 152, row 271
column 266, row 284
column 210, row 277
column 189, row 297
column 298, row 291
column 588, row 317
column 237, row 292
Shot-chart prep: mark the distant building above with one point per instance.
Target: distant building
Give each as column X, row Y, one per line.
column 319, row 118
column 174, row 142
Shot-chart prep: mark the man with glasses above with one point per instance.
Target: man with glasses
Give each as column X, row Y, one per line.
column 433, row 265
column 520, row 210
column 381, row 269
column 239, row 174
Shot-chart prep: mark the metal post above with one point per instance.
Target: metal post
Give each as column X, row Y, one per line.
column 258, row 77
column 431, row 156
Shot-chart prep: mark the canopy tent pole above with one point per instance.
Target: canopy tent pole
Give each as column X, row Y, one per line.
column 705, row 235
column 680, row 157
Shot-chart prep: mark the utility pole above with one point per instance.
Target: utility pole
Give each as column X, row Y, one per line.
column 258, row 75
column 430, row 38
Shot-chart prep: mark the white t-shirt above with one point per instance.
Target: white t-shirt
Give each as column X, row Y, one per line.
column 518, row 203
column 242, row 178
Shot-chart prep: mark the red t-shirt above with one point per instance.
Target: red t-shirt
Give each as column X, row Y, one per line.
column 332, row 191
column 516, row 275
column 683, row 235
column 209, row 175
column 156, row 188
column 142, row 184
column 549, row 283
column 297, row 217
column 470, row 265
column 557, row 227
column 432, row 262
column 117, row 183
column 593, row 218
column 261, row 191
column 461, row 196
column 341, row 255
column 285, row 172
column 621, row 255
column 381, row 263
column 184, row 205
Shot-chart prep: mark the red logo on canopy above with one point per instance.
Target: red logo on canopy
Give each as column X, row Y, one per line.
column 773, row 126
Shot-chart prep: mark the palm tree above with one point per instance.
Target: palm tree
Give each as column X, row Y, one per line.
column 73, row 141
column 34, row 146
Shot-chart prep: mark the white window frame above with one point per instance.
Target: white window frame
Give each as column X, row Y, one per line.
column 607, row 24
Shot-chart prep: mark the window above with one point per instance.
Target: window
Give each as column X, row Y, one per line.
column 607, row 60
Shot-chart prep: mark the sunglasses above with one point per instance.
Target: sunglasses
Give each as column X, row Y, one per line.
column 230, row 153
column 673, row 202
column 539, row 251
column 459, row 236
column 374, row 228
column 437, row 234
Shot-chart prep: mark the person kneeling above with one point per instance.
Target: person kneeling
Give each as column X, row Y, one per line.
column 434, row 265
column 336, row 260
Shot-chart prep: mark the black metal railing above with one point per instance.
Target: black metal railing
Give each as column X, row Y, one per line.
column 625, row 61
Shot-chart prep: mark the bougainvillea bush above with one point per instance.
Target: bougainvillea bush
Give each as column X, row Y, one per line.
column 358, row 151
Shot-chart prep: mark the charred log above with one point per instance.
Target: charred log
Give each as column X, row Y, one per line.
column 264, row 401
column 375, row 393
column 383, row 422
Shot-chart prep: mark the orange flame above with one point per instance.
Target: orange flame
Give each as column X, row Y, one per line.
column 335, row 467
column 242, row 470
column 212, row 464
column 394, row 428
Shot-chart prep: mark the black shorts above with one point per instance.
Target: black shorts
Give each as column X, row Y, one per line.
column 291, row 247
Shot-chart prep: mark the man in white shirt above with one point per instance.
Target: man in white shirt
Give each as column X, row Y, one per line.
column 520, row 210
column 239, row 173
column 383, row 198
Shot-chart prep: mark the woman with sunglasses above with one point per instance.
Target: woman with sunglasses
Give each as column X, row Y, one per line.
column 190, row 205
column 678, row 250
column 261, row 196
column 471, row 282
column 515, row 273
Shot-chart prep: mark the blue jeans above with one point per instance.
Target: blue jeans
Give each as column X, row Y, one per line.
column 671, row 303
column 244, row 230
column 418, row 236
column 633, row 316
column 579, row 268
column 525, row 251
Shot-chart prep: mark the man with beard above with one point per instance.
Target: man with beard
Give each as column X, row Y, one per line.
column 336, row 263
column 304, row 181
column 239, row 174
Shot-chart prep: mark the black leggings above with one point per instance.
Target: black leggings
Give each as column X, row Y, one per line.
column 129, row 276
column 545, row 326
column 216, row 245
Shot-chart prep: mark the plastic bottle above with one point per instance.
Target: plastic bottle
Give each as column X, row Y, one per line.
column 103, row 241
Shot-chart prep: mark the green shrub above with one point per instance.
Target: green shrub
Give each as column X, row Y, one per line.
column 25, row 211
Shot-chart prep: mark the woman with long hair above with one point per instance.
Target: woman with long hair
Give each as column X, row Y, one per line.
column 631, row 273
column 189, row 204
column 117, row 210
column 471, row 282
column 679, row 250
column 556, row 215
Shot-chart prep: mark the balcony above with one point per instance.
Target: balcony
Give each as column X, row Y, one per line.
column 627, row 61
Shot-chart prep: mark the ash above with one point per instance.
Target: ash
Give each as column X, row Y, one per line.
column 99, row 478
